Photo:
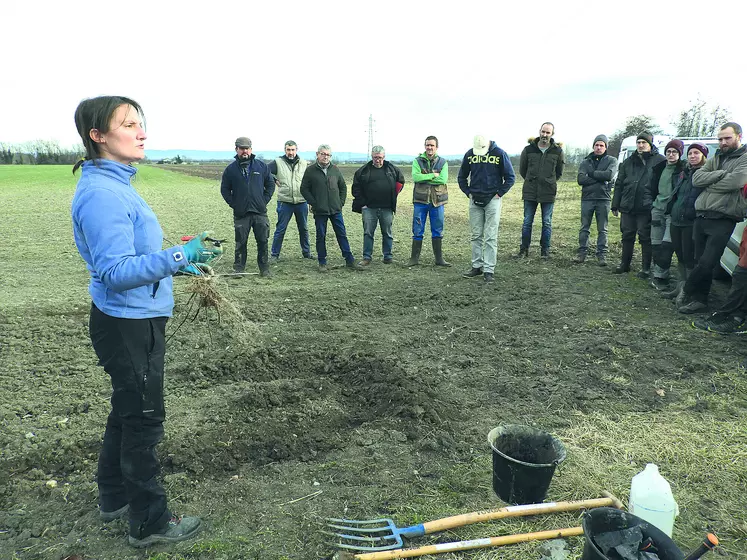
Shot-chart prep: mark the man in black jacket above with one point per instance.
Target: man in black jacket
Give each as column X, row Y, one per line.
column 324, row 188
column 596, row 174
column 541, row 165
column 375, row 189
column 632, row 198
column 247, row 186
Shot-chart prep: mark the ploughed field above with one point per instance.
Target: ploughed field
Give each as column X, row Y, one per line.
column 358, row 394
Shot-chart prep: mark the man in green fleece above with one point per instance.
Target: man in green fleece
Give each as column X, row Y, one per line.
column 430, row 172
column 661, row 192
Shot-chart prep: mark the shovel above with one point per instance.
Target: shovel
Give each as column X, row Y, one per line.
column 382, row 534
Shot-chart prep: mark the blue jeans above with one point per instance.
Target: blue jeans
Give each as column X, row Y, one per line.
column 419, row 214
column 285, row 211
column 371, row 218
column 590, row 209
column 321, row 237
column 530, row 207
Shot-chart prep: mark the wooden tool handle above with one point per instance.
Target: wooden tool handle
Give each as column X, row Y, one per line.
column 469, row 545
column 517, row 511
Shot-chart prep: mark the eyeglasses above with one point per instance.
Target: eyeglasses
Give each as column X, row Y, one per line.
column 322, row 154
column 672, row 152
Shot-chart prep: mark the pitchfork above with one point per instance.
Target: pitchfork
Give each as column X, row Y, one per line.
column 382, row 534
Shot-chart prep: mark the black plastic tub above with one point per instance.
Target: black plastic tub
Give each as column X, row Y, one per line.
column 605, row 519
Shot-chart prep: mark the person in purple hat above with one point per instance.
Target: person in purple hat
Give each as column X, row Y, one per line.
column 661, row 187
column 681, row 214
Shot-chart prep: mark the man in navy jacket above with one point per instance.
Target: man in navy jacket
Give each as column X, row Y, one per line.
column 247, row 187
column 490, row 175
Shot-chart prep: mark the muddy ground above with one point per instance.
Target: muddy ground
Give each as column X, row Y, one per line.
column 371, row 394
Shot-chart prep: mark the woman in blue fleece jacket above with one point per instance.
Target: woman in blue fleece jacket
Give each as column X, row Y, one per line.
column 119, row 237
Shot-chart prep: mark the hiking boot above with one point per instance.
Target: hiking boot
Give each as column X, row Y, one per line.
column 265, row 273
column 472, row 272
column 177, row 530
column 274, row 259
column 579, row 259
column 523, row 253
column 365, row 262
column 602, row 260
column 488, row 277
column 621, row 269
column 682, row 298
column 672, row 294
column 388, row 260
column 107, row 516
column 644, row 273
column 660, row 284
column 354, row 265
column 717, row 323
column 309, row 256
column 694, row 306
column 545, row 253
column 323, row 268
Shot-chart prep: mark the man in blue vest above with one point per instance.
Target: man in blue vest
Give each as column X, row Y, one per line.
column 430, row 173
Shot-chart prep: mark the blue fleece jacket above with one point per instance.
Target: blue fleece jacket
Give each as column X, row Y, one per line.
column 119, row 237
column 490, row 174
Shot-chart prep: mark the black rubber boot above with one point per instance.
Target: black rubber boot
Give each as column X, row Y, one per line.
column 438, row 251
column 417, row 246
column 646, row 257
column 626, row 257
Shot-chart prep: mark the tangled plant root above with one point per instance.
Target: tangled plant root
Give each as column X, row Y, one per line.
column 206, row 296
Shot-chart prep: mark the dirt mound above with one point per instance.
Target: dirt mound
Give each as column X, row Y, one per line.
column 296, row 406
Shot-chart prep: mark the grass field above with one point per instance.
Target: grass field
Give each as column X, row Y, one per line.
column 358, row 394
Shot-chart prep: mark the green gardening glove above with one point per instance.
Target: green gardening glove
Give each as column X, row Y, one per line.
column 198, row 250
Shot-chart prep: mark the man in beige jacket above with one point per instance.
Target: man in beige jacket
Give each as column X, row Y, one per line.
column 288, row 171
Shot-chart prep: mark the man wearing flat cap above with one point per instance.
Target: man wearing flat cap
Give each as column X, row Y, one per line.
column 247, row 187
column 596, row 175
column 632, row 201
column 485, row 176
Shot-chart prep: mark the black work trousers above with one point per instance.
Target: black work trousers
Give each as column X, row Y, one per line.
column 260, row 224
column 132, row 352
column 682, row 242
column 710, row 238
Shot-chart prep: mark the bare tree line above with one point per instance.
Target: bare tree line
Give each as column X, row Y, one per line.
column 39, row 152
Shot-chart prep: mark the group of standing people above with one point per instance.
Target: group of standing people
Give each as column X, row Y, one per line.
column 485, row 176
column 688, row 207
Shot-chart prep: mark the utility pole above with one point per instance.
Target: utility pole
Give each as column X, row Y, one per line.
column 370, row 135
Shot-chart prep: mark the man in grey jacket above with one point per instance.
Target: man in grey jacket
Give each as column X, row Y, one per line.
column 596, row 174
column 717, row 210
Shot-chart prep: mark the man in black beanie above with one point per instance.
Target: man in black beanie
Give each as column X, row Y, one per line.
column 596, row 174
column 632, row 199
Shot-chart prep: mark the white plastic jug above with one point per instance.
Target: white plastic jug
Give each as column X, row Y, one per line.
column 651, row 499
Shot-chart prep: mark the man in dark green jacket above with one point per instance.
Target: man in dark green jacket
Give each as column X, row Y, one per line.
column 324, row 188
column 541, row 165
column 633, row 199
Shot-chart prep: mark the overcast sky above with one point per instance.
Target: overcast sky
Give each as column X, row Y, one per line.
column 206, row 72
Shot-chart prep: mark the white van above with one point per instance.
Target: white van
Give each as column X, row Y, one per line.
column 731, row 253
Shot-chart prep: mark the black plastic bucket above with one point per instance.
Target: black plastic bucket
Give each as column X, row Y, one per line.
column 524, row 461
column 605, row 519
